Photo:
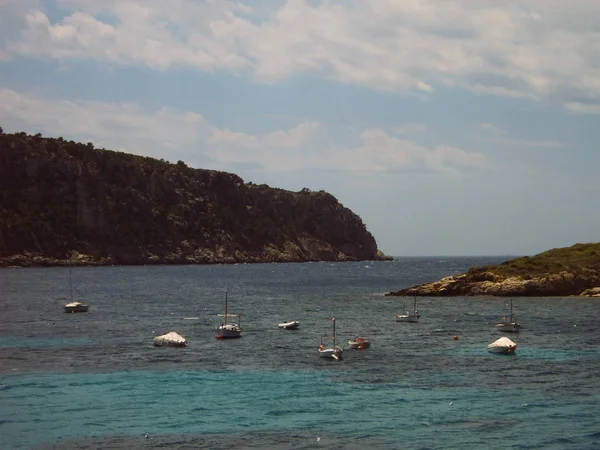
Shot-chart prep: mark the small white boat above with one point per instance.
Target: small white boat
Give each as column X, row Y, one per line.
column 503, row 346
column 359, row 343
column 289, row 325
column 329, row 347
column 228, row 330
column 74, row 307
column 171, row 339
column 409, row 316
column 509, row 323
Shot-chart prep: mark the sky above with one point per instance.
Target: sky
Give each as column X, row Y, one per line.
column 454, row 127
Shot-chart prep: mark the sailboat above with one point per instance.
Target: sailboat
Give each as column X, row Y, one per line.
column 509, row 323
column 409, row 316
column 329, row 347
column 228, row 330
column 73, row 306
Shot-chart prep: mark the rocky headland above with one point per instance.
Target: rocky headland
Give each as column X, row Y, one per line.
column 63, row 202
column 569, row 271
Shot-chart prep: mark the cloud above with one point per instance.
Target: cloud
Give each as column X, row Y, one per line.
column 489, row 128
column 524, row 49
column 583, row 108
column 410, row 128
column 496, row 135
column 172, row 134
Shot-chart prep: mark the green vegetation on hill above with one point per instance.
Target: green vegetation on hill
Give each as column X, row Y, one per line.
column 570, row 259
column 558, row 272
column 61, row 200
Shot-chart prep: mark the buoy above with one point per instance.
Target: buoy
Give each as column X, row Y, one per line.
column 456, row 338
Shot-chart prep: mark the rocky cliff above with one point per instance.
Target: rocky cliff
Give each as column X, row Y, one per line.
column 66, row 202
column 558, row 272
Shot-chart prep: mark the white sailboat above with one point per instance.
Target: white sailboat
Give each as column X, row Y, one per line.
column 509, row 323
column 329, row 347
column 73, row 306
column 228, row 330
column 409, row 316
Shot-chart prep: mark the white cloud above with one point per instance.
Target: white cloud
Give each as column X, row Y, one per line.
column 173, row 135
column 525, row 49
column 496, row 135
column 410, row 128
column 489, row 128
column 583, row 108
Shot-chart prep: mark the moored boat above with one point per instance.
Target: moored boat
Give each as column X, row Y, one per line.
column 509, row 322
column 329, row 347
column 228, row 330
column 503, row 346
column 74, row 307
column 171, row 339
column 289, row 325
column 409, row 316
column 359, row 343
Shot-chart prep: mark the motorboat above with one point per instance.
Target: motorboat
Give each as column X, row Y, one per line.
column 329, row 347
column 289, row 325
column 171, row 339
column 503, row 346
column 509, row 323
column 74, row 307
column 229, row 330
column 359, row 343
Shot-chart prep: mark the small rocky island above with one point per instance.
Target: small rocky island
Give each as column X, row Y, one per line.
column 558, row 272
column 63, row 202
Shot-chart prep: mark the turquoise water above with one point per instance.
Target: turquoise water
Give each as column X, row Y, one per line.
column 94, row 380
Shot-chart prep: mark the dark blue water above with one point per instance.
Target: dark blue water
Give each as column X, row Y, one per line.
column 94, row 380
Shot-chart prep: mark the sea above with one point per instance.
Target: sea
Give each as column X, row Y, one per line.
column 94, row 380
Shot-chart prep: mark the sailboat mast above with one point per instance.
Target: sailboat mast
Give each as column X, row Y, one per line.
column 70, row 283
column 334, row 340
column 225, row 306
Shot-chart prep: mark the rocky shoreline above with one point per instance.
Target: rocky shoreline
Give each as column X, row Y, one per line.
column 204, row 257
column 562, row 284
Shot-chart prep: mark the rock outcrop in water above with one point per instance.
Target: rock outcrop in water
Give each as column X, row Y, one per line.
column 558, row 272
column 63, row 202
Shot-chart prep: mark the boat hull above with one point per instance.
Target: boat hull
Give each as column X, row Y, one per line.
column 503, row 346
column 331, row 353
column 508, row 327
column 293, row 325
column 359, row 344
column 75, row 307
column 229, row 331
column 407, row 318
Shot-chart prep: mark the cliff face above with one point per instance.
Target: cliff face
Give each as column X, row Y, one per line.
column 66, row 202
column 558, row 272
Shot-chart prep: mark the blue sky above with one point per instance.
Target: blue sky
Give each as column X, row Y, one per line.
column 451, row 128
